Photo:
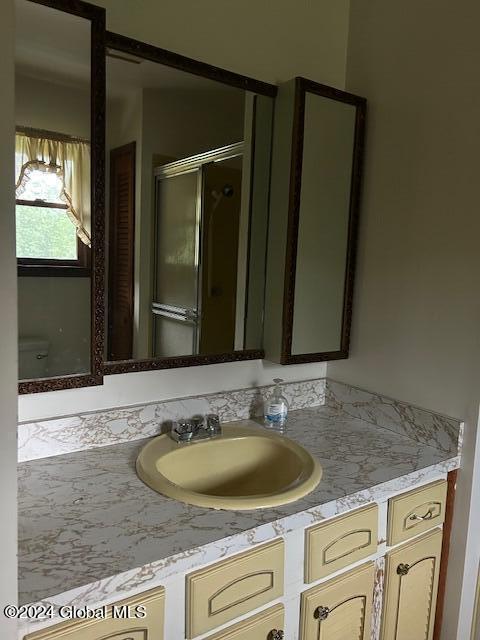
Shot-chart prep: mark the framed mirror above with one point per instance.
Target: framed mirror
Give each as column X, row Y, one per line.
column 59, row 160
column 188, row 151
column 318, row 149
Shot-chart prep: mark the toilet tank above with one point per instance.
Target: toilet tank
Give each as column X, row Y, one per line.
column 32, row 358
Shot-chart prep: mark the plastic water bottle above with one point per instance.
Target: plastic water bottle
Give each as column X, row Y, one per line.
column 276, row 409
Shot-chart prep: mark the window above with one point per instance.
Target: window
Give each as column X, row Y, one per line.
column 48, row 238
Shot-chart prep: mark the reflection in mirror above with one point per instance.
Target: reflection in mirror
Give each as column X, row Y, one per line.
column 53, row 218
column 323, row 224
column 188, row 200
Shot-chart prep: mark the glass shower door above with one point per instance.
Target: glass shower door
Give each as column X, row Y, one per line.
column 176, row 299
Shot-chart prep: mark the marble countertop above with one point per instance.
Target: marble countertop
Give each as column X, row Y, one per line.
column 85, row 517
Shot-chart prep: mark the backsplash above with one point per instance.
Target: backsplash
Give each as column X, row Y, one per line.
column 114, row 426
column 426, row 427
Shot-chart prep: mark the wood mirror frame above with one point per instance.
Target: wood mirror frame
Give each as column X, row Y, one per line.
column 302, row 87
column 96, row 15
column 182, row 63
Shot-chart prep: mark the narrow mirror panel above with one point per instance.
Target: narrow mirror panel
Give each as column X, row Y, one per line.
column 315, row 191
column 53, row 191
column 323, row 224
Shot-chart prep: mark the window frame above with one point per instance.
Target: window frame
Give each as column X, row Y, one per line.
column 41, row 267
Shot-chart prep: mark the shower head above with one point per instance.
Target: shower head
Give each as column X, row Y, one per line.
column 226, row 192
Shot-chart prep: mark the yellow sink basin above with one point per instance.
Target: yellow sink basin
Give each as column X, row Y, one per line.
column 245, row 468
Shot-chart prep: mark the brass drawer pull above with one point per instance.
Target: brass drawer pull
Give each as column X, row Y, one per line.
column 321, row 613
column 276, row 634
column 427, row 516
column 403, row 569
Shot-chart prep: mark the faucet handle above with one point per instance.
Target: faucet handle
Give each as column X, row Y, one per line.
column 213, row 423
column 184, row 430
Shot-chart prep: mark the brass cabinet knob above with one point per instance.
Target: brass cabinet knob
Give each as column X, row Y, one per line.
column 403, row 569
column 321, row 613
column 276, row 634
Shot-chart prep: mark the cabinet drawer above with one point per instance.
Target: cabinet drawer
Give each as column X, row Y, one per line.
column 260, row 627
column 416, row 511
column 337, row 543
column 116, row 625
column 340, row 608
column 233, row 587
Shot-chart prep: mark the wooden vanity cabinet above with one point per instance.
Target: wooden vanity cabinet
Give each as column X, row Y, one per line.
column 411, row 585
column 267, row 625
column 415, row 512
column 221, row 592
column 337, row 543
column 341, row 608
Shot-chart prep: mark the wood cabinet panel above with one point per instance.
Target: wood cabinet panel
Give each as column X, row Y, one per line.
column 338, row 543
column 339, row 609
column 411, row 584
column 415, row 512
column 263, row 626
column 233, row 587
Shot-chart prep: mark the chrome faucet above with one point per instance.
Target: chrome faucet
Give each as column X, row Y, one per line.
column 198, row 428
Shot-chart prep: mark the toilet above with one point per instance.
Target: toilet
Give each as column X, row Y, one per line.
column 32, row 358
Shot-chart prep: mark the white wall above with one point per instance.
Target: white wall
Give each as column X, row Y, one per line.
column 255, row 39
column 8, row 323
column 150, row 386
column 42, row 104
column 416, row 314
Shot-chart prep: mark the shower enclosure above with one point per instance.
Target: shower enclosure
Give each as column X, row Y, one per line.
column 199, row 252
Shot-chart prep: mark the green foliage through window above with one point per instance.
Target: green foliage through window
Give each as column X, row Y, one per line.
column 44, row 232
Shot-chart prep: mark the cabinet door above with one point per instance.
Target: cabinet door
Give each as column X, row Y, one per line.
column 339, row 609
column 267, row 625
column 411, row 585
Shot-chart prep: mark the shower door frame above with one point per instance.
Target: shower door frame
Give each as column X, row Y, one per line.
column 191, row 164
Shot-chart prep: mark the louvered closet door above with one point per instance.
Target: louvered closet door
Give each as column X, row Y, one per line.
column 121, row 252
column 411, row 584
column 341, row 608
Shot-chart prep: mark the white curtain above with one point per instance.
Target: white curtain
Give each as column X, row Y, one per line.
column 70, row 160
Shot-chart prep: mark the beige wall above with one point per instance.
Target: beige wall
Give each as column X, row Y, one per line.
column 265, row 40
column 417, row 302
column 8, row 323
column 416, row 315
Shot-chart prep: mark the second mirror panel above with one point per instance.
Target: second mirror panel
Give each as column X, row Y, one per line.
column 188, row 202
